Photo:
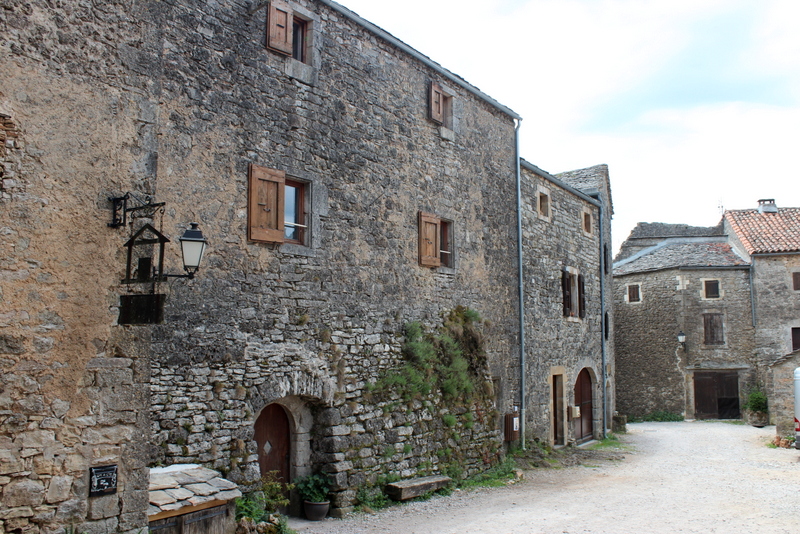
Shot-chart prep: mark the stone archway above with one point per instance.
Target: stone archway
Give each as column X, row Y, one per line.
column 584, row 399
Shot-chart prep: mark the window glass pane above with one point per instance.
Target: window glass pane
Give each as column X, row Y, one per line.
column 712, row 289
column 299, row 40
column 290, row 212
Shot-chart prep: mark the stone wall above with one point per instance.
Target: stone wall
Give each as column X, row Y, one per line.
column 654, row 372
column 555, row 344
column 72, row 384
column 262, row 316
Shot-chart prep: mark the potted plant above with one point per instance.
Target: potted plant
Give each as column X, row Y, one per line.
column 313, row 489
column 756, row 407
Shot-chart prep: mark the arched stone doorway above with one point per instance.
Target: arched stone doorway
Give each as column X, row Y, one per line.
column 584, row 430
column 273, row 435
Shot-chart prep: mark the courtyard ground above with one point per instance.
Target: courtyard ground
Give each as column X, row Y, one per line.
column 664, row 478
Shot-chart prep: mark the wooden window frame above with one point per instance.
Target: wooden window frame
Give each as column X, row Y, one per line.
column 711, row 294
column 634, row 293
column 796, row 281
column 436, row 241
column 713, row 329
column 300, row 39
column 299, row 223
column 795, row 339
column 573, row 294
column 440, row 105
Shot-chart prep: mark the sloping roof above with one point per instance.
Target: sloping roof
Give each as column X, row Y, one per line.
column 685, row 253
column 645, row 230
column 589, row 180
column 187, row 486
column 764, row 233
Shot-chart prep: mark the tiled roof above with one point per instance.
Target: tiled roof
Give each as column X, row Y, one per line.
column 762, row 233
column 670, row 255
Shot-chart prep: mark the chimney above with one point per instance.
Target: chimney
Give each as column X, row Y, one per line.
column 767, row 205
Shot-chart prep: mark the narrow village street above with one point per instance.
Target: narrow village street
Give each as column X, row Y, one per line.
column 669, row 477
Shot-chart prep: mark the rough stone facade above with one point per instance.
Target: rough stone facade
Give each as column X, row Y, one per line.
column 559, row 347
column 177, row 101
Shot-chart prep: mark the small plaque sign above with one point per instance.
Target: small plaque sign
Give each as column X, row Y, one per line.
column 102, row 480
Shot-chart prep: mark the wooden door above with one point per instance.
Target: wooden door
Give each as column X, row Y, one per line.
column 716, row 395
column 558, row 409
column 273, row 437
column 583, row 399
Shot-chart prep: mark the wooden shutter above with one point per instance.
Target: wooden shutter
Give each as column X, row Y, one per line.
column 280, row 20
column 429, row 240
column 795, row 338
column 265, row 204
column 796, row 281
column 566, row 292
column 712, row 329
column 436, row 103
column 581, row 296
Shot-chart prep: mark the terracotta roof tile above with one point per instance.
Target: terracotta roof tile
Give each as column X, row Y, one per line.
column 763, row 233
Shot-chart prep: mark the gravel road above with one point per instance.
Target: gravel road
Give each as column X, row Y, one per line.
column 671, row 477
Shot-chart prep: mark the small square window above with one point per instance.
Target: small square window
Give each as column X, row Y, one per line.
column 796, row 281
column 435, row 241
column 711, row 289
column 634, row 293
column 544, row 205
column 440, row 106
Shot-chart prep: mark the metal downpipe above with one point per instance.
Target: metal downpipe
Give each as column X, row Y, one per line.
column 521, row 288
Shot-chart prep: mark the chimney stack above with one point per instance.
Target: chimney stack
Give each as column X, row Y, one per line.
column 767, row 205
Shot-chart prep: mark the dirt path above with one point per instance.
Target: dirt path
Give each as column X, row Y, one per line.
column 675, row 477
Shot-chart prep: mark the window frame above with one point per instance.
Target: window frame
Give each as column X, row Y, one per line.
column 300, row 26
column 573, row 293
column 713, row 329
column 796, row 281
column 300, row 222
column 628, row 295
column 435, row 241
column 547, row 211
column 711, row 296
column 587, row 222
column 795, row 335
column 267, row 192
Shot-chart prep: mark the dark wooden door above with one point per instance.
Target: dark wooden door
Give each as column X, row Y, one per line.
column 558, row 409
column 583, row 399
column 273, row 437
column 716, row 395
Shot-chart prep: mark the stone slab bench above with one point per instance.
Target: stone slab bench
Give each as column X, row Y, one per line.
column 414, row 487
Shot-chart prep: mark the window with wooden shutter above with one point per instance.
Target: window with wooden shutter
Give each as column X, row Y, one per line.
column 566, row 293
column 280, row 27
column 581, row 296
column 265, row 213
column 795, row 339
column 712, row 329
column 429, row 235
column 446, row 243
column 796, row 281
column 436, row 103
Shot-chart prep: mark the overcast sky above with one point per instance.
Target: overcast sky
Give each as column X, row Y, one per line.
column 693, row 104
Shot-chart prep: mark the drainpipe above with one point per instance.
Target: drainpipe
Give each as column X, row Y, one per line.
column 521, row 289
column 603, row 325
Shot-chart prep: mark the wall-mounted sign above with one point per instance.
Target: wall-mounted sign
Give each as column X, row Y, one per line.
column 102, row 480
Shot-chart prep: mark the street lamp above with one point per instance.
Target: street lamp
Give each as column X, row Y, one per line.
column 682, row 339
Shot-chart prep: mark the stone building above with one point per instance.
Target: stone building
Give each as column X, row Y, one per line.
column 569, row 354
column 728, row 289
column 357, row 198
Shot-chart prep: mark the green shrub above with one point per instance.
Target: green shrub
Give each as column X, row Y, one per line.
column 270, row 495
column 372, row 497
column 659, row 416
column 756, row 401
column 449, row 419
